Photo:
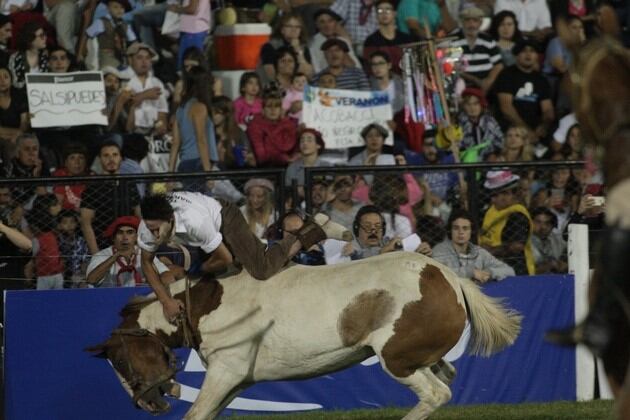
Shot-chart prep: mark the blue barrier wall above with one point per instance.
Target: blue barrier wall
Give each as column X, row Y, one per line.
column 49, row 376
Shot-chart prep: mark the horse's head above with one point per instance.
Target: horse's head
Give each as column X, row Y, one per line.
column 144, row 365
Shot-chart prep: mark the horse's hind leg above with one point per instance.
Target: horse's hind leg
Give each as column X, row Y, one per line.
column 432, row 392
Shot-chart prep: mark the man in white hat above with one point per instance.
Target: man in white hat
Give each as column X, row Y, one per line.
column 507, row 225
column 481, row 53
column 149, row 107
column 117, row 98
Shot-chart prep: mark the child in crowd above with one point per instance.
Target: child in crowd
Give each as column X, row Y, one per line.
column 327, row 80
column 72, row 246
column 48, row 264
column 113, row 35
column 75, row 156
column 194, row 25
column 249, row 103
column 273, row 136
column 294, row 96
column 480, row 129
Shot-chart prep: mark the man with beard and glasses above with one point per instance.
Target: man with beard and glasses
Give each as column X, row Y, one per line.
column 102, row 202
column 370, row 239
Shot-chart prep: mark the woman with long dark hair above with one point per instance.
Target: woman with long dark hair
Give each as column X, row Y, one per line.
column 504, row 30
column 193, row 131
column 31, row 55
column 13, row 108
column 285, row 65
column 232, row 143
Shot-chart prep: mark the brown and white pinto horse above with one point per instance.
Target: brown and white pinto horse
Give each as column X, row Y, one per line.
column 305, row 321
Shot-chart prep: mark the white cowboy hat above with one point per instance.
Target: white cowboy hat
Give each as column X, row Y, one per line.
column 500, row 180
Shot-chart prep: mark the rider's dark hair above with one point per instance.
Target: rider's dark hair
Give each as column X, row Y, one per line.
column 156, row 207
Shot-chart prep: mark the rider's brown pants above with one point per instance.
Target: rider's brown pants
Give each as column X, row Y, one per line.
column 259, row 260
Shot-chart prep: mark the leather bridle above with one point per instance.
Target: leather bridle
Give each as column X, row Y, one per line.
column 134, row 377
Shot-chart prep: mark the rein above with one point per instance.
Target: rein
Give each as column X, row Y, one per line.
column 172, row 361
column 185, row 320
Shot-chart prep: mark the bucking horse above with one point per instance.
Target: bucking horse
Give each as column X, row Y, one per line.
column 405, row 308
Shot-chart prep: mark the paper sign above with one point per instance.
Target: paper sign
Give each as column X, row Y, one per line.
column 411, row 243
column 66, row 99
column 340, row 115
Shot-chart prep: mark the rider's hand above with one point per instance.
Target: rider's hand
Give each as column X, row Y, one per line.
column 172, row 308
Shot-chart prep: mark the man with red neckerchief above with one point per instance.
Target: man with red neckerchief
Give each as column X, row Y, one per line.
column 119, row 265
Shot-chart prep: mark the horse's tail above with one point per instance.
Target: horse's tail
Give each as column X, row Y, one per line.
column 494, row 326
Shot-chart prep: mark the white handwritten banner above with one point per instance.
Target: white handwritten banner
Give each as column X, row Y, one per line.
column 66, row 99
column 340, row 115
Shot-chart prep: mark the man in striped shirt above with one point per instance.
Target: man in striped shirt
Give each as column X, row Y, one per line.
column 353, row 78
column 481, row 53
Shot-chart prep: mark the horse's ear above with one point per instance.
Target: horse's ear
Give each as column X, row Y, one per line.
column 99, row 350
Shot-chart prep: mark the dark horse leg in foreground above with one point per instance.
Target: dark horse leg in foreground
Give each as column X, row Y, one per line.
column 601, row 102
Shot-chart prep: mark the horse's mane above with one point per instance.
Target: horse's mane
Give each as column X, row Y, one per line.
column 138, row 302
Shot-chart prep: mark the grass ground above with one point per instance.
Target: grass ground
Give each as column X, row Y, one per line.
column 593, row 410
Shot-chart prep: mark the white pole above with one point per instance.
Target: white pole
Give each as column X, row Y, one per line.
column 579, row 267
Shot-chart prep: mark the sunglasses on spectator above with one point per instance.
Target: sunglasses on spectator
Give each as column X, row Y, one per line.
column 384, row 10
column 378, row 63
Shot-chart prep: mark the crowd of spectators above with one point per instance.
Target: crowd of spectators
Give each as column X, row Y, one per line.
column 167, row 113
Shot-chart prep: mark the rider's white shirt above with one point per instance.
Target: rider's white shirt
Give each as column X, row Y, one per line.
column 197, row 223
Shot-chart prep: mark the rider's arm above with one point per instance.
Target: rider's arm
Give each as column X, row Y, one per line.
column 151, row 274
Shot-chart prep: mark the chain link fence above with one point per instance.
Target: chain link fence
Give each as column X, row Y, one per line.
column 415, row 199
column 519, row 211
column 75, row 209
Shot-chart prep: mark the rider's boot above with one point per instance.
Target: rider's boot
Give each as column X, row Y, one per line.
column 311, row 233
column 596, row 330
column 333, row 230
column 319, row 228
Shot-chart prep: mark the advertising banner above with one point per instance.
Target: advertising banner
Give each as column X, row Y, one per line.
column 48, row 375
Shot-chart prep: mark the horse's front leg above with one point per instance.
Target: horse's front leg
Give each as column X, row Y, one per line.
column 225, row 375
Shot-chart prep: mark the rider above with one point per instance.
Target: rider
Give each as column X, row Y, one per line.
column 218, row 228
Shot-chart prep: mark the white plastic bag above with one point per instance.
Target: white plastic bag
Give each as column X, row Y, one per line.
column 170, row 26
